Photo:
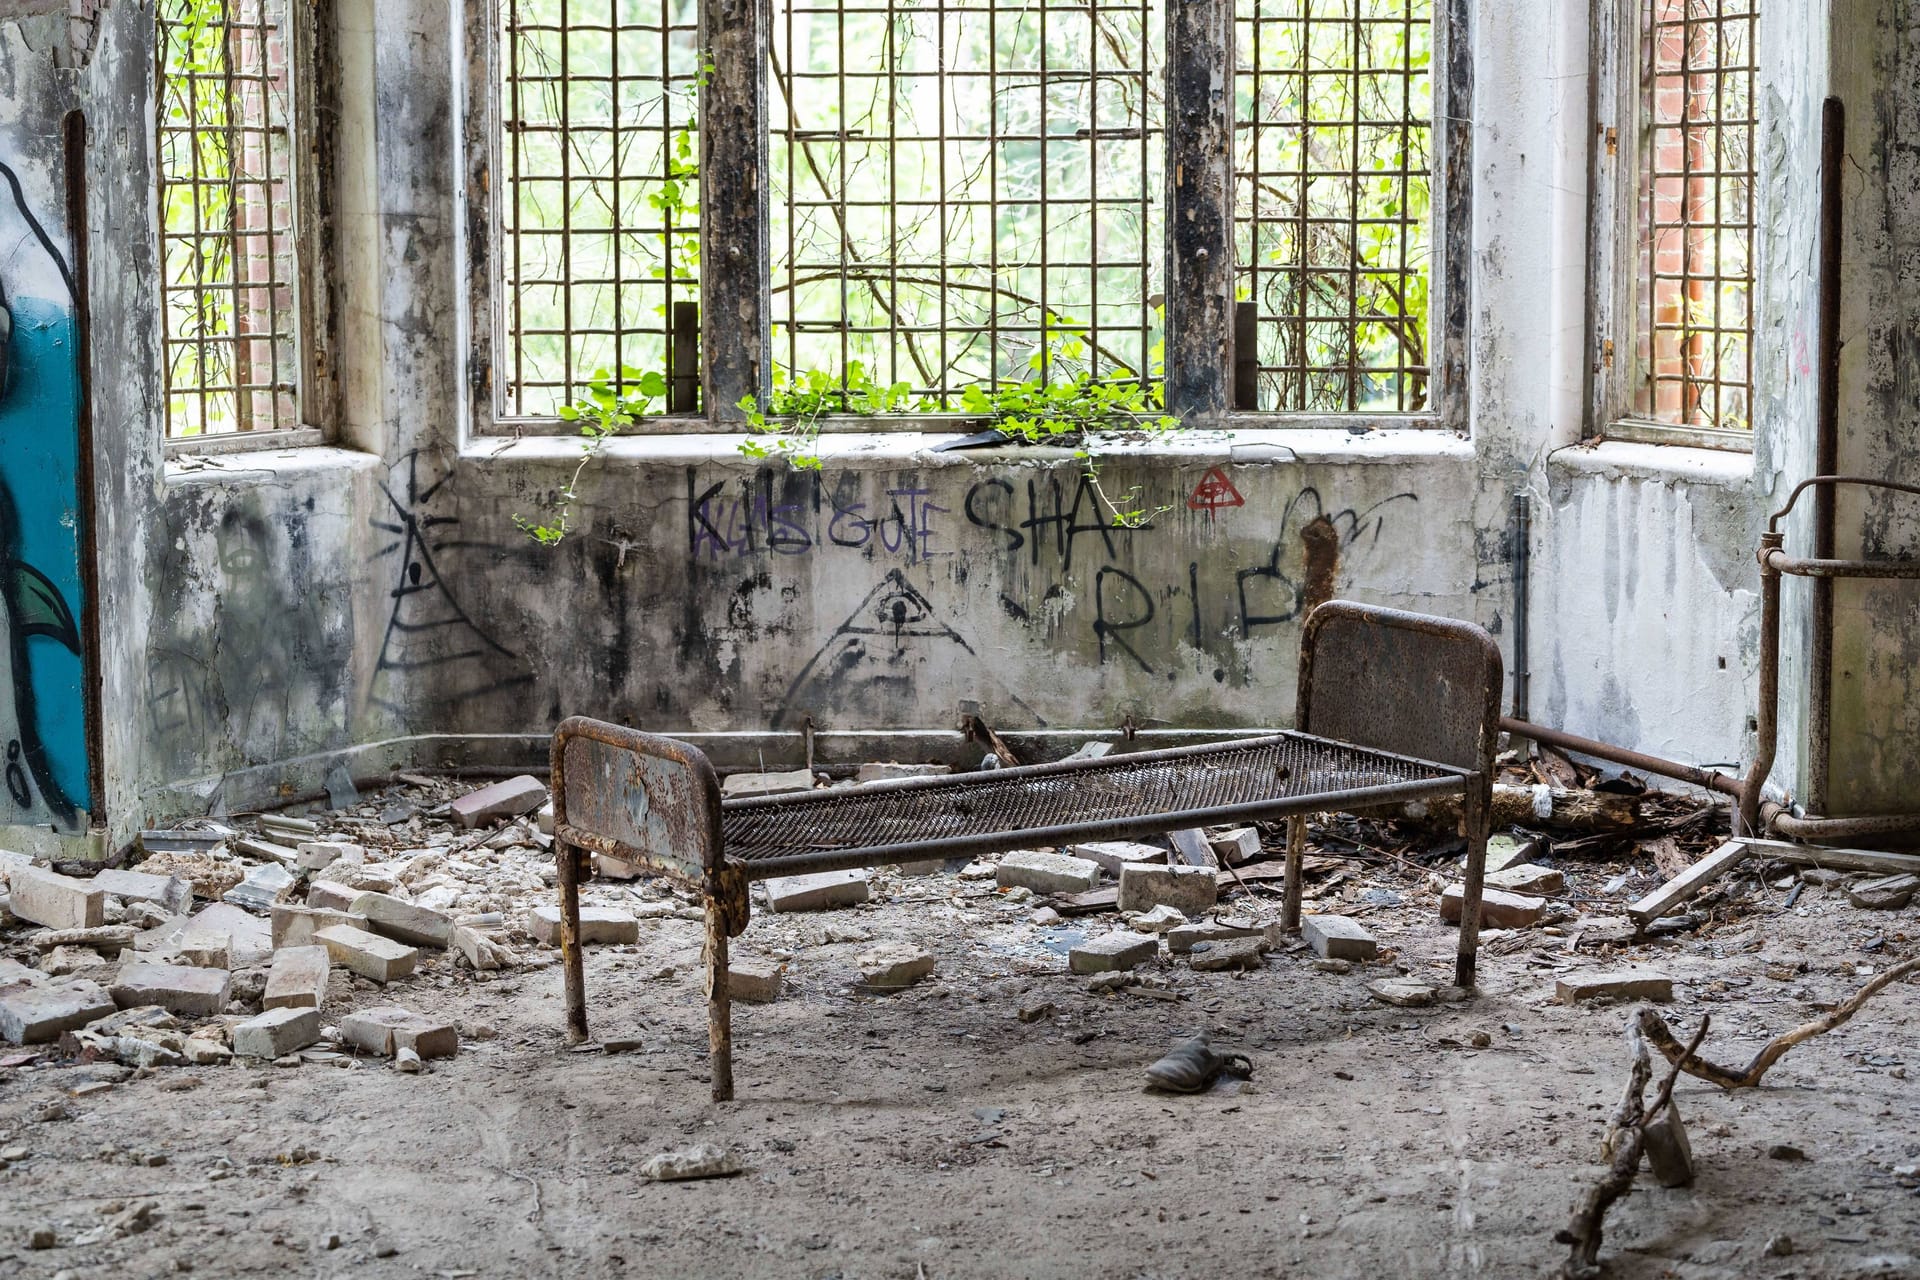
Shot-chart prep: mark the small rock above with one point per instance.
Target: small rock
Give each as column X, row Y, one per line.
column 405, row 1059
column 1111, row 855
column 1669, row 1154
column 1624, row 984
column 1526, row 877
column 754, row 981
column 978, row 871
column 1241, row 844
column 1046, row 872
column 1186, row 937
column 1333, row 966
column 1779, row 1246
column 1035, row 1012
column 598, row 925
column 1144, row 886
column 1406, row 993
column 702, row 1161
column 741, row 785
column 508, row 798
column 1498, row 909
column 206, row 949
column 894, row 966
column 263, row 886
column 822, row 891
column 1044, row 916
column 385, row 1031
column 1162, row 919
column 42, row 1238
column 1783, row 1151
column 1338, row 938
column 1888, row 893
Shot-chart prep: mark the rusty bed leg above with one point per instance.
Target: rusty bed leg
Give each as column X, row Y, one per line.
column 1296, row 867
column 719, row 1003
column 567, row 861
column 1474, row 809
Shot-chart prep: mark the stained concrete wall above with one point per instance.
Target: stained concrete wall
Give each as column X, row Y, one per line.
column 275, row 612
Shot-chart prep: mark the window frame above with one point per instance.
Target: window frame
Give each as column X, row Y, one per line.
column 1613, row 241
column 313, row 71
column 737, row 283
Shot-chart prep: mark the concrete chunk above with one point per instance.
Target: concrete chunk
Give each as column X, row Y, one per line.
column 1498, row 909
column 1668, row 1152
column 1338, row 938
column 597, row 925
column 170, row 893
column 1526, row 877
column 1188, row 889
column 822, row 891
column 1622, row 984
column 332, row 895
column 1184, row 939
column 387, row 1030
column 738, row 786
column 1404, row 993
column 38, row 1013
column 755, row 981
column 1888, row 893
column 1505, row 851
column 177, row 988
column 1231, row 953
column 1234, row 847
column 890, row 772
column 403, row 921
column 252, row 937
column 508, row 798
column 277, row 1032
column 1111, row 855
column 318, row 855
column 206, row 949
column 263, row 886
column 368, row 954
column 57, row 901
column 1113, row 952
column 295, row 925
column 298, row 979
column 894, row 966
column 1046, row 872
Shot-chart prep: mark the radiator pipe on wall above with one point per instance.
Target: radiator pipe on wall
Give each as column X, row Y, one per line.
column 1833, row 144
column 1708, row 778
column 1520, row 552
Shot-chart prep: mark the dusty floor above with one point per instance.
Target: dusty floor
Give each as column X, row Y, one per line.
column 934, row 1134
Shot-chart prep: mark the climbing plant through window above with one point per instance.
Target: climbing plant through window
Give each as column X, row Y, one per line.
column 1333, row 201
column 228, row 256
column 966, row 191
column 599, row 212
column 1693, row 356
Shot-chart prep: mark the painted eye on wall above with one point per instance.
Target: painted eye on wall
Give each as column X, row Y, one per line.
column 900, row 609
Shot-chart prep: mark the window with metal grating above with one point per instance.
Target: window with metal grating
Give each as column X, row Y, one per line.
column 228, row 254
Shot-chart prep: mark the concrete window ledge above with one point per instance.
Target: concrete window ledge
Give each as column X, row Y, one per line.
column 277, row 463
column 854, row 450
column 1665, row 463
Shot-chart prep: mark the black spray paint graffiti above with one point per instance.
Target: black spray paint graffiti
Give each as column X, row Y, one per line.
column 729, row 521
column 427, row 629
column 1050, row 523
column 892, row 651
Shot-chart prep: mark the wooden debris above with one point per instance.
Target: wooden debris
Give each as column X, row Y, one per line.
column 1803, row 855
column 1663, row 900
column 1625, row 1142
column 1654, row 1028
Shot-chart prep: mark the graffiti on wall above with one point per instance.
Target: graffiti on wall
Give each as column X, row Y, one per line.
column 428, row 629
column 43, row 734
column 1207, row 584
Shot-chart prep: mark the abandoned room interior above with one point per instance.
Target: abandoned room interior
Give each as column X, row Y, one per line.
column 828, row 638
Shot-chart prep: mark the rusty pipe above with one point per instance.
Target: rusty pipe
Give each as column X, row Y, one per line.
column 1708, row 778
column 1767, row 719
column 1826, row 568
column 1779, row 820
column 1826, row 448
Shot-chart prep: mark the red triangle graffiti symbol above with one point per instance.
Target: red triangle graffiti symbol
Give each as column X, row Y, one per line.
column 1214, row 492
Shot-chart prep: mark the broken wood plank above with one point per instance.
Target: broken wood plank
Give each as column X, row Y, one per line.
column 1689, row 882
column 1809, row 855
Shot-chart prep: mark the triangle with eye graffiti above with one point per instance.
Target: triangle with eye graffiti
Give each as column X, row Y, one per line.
column 894, row 661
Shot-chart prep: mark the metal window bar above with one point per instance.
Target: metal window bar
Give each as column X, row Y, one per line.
column 1333, row 201
column 228, row 256
column 1694, row 347
column 599, row 217
column 965, row 191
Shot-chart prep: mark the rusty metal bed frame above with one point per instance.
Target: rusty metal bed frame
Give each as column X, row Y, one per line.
column 1393, row 707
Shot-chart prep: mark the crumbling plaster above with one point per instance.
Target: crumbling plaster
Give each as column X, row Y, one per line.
column 390, row 611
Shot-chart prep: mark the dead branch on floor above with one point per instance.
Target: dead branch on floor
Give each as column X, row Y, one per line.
column 1626, row 1139
column 1655, row 1029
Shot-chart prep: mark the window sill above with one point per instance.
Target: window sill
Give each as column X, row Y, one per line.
column 1638, row 431
column 1635, row 460
column 243, row 442
column 201, row 469
column 876, row 449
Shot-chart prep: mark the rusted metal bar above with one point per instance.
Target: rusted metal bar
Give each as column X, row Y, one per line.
column 1199, row 235
column 1708, row 778
column 1767, row 715
column 1779, row 820
column 719, row 1003
column 1296, row 866
column 1521, row 554
column 567, row 866
column 1246, row 355
column 1829, row 481
column 1828, row 570
column 683, row 360
column 86, row 495
column 1453, row 161
column 734, row 265
column 1475, row 810
column 1833, row 144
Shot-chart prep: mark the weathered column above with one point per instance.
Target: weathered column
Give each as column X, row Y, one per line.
column 734, row 265
column 1199, row 235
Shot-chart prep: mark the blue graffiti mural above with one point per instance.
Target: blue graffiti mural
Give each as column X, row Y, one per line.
column 43, row 733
